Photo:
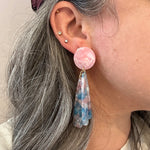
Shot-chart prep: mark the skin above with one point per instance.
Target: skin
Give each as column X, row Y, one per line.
column 119, row 81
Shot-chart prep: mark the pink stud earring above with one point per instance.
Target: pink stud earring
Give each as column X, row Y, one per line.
column 84, row 59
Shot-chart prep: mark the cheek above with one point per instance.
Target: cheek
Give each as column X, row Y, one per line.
column 125, row 62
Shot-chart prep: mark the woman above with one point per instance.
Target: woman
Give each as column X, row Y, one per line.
column 42, row 77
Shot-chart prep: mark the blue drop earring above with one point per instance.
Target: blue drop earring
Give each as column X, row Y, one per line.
column 84, row 59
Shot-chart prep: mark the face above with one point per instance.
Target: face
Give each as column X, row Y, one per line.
column 123, row 55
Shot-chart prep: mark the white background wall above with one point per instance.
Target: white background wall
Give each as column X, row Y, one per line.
column 13, row 14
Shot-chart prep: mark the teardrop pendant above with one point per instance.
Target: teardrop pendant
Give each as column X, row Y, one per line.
column 82, row 106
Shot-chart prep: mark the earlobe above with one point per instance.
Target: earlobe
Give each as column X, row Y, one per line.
column 69, row 26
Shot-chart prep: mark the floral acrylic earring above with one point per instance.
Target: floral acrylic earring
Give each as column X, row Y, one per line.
column 84, row 59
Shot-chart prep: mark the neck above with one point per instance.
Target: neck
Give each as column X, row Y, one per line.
column 111, row 117
column 109, row 132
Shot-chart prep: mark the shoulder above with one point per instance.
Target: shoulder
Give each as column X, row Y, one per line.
column 144, row 132
column 6, row 135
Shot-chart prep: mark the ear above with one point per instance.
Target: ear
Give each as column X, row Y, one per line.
column 72, row 24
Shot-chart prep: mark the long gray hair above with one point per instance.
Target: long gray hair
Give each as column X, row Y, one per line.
column 42, row 80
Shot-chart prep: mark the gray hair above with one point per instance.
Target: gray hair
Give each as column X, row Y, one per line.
column 42, row 80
